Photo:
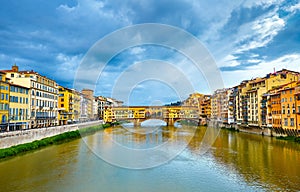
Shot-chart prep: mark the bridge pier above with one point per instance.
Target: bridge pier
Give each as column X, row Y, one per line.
column 136, row 122
column 170, row 121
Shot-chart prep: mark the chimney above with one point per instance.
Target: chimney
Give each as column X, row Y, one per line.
column 15, row 68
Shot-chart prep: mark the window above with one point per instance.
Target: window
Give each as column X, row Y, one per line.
column 292, row 122
column 12, row 75
column 17, row 114
column 293, row 108
column 285, row 121
column 291, row 99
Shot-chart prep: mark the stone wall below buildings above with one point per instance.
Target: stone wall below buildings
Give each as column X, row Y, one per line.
column 8, row 139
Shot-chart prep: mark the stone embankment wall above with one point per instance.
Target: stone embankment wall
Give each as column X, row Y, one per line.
column 258, row 131
column 8, row 139
column 251, row 130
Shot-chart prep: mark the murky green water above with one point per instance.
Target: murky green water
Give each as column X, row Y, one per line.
column 235, row 162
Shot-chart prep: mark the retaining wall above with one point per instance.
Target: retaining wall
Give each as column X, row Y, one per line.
column 8, row 139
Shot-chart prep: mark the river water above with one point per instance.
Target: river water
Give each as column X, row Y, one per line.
column 235, row 162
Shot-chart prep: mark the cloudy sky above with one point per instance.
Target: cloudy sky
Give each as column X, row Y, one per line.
column 246, row 38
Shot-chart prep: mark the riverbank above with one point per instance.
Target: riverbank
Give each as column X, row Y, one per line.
column 57, row 139
column 290, row 138
column 12, row 138
column 263, row 132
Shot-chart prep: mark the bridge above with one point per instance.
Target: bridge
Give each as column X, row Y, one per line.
column 138, row 114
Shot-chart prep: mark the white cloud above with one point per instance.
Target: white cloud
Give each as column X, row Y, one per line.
column 254, row 61
column 229, row 61
column 261, row 32
column 137, row 50
column 66, row 8
column 261, row 3
column 293, row 8
column 67, row 66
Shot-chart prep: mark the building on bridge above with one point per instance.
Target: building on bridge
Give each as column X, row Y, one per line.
column 138, row 114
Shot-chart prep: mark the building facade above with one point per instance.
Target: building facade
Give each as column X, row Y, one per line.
column 19, row 107
column 66, row 113
column 4, row 102
column 220, row 108
column 76, row 105
column 43, row 96
column 89, row 100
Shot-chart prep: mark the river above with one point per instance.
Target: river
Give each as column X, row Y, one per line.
column 235, row 162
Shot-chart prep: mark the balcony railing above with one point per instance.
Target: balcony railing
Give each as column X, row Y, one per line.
column 43, row 118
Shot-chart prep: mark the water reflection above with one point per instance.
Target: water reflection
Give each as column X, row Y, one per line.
column 261, row 161
column 235, row 162
column 141, row 147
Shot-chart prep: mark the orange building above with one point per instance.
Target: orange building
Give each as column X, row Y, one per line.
column 288, row 108
column 297, row 100
column 275, row 108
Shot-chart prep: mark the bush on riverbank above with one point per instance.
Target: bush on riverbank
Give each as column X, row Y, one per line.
column 57, row 139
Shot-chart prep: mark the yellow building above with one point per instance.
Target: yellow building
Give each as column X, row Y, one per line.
column 19, row 107
column 205, row 106
column 257, row 87
column 66, row 100
column 108, row 116
column 76, row 105
column 241, row 105
column 281, row 77
column 4, row 101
